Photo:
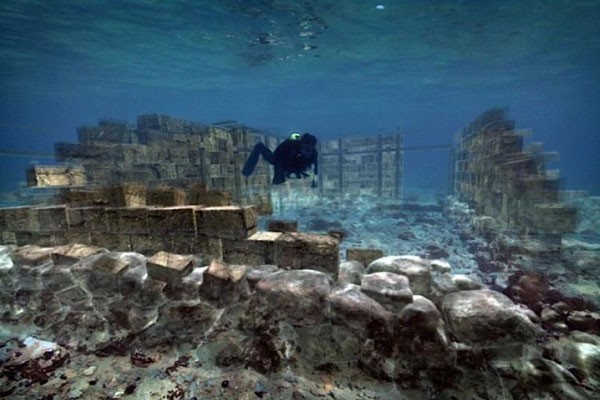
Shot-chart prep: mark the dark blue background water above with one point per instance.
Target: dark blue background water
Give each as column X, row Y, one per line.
column 329, row 67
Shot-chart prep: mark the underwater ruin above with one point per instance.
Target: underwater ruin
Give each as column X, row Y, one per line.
column 144, row 263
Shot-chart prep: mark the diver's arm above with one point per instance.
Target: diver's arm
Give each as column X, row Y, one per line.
column 316, row 164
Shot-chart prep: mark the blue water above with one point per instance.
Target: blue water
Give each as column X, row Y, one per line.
column 333, row 68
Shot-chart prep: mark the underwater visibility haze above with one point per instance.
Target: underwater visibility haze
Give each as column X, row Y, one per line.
column 485, row 286
column 331, row 68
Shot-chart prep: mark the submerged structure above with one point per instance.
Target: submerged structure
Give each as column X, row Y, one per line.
column 152, row 259
column 508, row 184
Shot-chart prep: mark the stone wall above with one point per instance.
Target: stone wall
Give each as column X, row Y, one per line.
column 507, row 182
column 357, row 165
column 163, row 149
column 125, row 218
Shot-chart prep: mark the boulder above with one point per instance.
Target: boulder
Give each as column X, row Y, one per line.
column 389, row 289
column 181, row 320
column 416, row 269
column 586, row 321
column 464, row 282
column 486, row 317
column 57, row 278
column 351, row 272
column 124, row 314
column 299, row 296
column 420, row 316
column 352, row 308
column 255, row 274
column 582, row 357
column 441, row 266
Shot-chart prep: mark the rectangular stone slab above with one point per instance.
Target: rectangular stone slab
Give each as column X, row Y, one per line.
column 133, row 220
column 166, row 197
column 32, row 255
column 51, row 219
column 279, row 225
column 19, row 219
column 114, row 242
column 228, row 222
column 295, row 250
column 258, row 249
column 87, row 219
column 163, row 220
column 169, row 267
column 148, row 244
column 70, row 254
column 365, row 256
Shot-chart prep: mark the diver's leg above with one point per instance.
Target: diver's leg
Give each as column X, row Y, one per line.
column 278, row 174
column 250, row 164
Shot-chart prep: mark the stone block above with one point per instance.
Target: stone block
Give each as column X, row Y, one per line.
column 19, row 219
column 101, row 274
column 192, row 170
column 70, row 254
column 85, row 197
column 227, row 222
column 278, row 225
column 8, row 237
column 132, row 220
column 365, row 256
column 52, row 175
column 169, row 267
column 32, row 255
column 223, row 284
column 165, row 220
column 111, row 241
column 161, row 122
column 209, row 246
column 257, row 250
column 166, row 197
column 106, row 131
column 87, row 219
column 109, row 264
column 150, row 244
column 553, row 218
column 294, row 250
column 38, row 238
column 211, row 198
column 77, row 237
column 127, row 195
column 51, row 219
column 75, row 152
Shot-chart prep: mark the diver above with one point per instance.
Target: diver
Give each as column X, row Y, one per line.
column 294, row 156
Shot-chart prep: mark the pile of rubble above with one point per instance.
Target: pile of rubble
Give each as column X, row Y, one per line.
column 173, row 326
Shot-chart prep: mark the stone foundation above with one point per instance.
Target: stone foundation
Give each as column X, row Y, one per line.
column 226, row 232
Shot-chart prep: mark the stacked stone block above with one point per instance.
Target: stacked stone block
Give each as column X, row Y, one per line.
column 502, row 179
column 362, row 165
column 162, row 148
column 225, row 232
column 38, row 175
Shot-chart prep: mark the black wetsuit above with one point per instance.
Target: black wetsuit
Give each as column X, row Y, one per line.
column 292, row 156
